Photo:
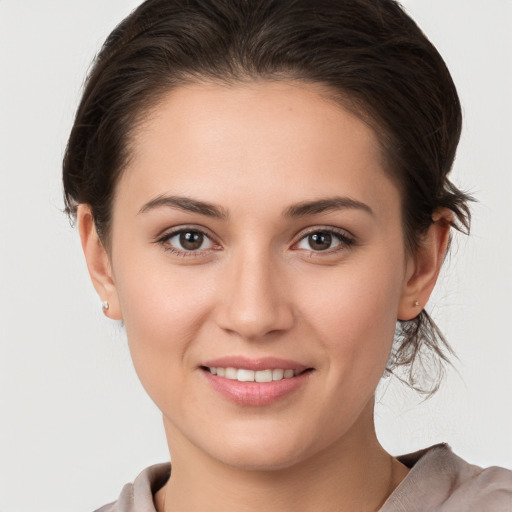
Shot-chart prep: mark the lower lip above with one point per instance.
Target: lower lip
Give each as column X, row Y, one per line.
column 256, row 393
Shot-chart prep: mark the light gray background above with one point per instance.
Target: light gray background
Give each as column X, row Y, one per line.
column 75, row 424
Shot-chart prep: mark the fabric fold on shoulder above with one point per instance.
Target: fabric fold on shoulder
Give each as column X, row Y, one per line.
column 138, row 496
column 440, row 480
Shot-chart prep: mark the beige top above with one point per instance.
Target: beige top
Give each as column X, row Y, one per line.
column 439, row 481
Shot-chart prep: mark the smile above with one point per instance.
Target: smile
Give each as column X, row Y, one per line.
column 243, row 375
column 255, row 382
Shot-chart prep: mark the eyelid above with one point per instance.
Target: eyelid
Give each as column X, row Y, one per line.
column 166, row 235
column 170, row 230
column 345, row 238
column 327, row 229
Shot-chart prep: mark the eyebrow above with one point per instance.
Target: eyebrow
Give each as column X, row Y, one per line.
column 186, row 204
column 325, row 205
column 298, row 210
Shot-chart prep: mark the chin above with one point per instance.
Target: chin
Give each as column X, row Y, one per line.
column 262, row 460
column 272, row 452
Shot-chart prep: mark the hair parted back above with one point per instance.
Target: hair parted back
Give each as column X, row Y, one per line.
column 370, row 54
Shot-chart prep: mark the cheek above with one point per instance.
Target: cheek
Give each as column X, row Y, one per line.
column 163, row 310
column 354, row 316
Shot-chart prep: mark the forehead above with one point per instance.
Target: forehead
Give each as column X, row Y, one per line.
column 283, row 140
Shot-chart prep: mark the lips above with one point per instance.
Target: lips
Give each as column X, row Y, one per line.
column 255, row 381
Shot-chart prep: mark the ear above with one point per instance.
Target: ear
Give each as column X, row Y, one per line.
column 98, row 262
column 424, row 266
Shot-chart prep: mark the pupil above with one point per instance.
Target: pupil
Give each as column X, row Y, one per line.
column 191, row 240
column 320, row 241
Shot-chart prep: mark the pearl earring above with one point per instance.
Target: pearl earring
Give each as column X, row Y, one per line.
column 105, row 306
column 416, row 304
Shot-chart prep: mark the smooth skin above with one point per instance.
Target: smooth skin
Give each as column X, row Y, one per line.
column 321, row 286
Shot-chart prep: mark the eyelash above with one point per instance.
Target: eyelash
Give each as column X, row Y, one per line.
column 167, row 247
column 346, row 241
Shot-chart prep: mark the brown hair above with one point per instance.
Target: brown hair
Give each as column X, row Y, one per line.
column 370, row 53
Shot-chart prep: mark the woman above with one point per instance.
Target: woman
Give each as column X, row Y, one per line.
column 262, row 191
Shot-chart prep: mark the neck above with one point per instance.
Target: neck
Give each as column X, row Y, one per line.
column 354, row 474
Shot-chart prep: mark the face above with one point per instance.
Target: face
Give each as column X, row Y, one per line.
column 255, row 229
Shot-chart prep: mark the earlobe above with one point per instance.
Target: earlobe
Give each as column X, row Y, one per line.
column 98, row 263
column 424, row 266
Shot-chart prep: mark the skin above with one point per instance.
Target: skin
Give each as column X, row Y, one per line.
column 257, row 287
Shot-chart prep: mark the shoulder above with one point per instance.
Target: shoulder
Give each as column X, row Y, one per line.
column 138, row 496
column 440, row 480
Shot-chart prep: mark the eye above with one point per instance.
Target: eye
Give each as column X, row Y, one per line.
column 186, row 241
column 324, row 240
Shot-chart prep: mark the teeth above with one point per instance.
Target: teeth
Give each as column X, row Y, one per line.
column 277, row 374
column 263, row 376
column 231, row 373
column 243, row 375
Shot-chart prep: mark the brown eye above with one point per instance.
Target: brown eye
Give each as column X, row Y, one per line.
column 325, row 240
column 191, row 240
column 320, row 241
column 187, row 241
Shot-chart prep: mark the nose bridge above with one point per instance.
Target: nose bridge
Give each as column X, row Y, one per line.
column 255, row 301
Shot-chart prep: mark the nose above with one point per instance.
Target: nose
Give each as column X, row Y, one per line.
column 254, row 299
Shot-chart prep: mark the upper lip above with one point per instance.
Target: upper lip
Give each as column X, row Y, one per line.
column 261, row 363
